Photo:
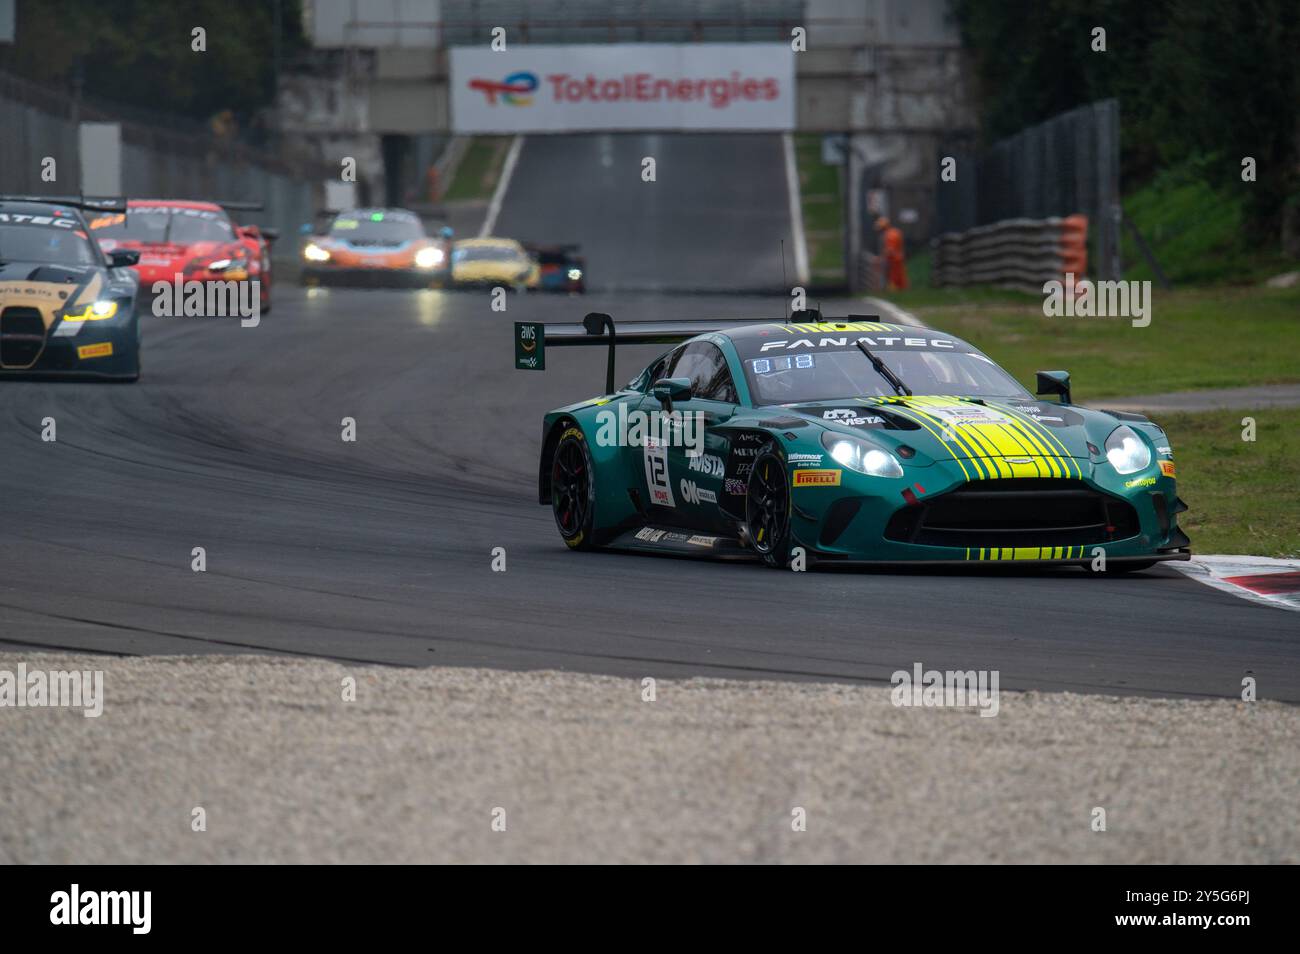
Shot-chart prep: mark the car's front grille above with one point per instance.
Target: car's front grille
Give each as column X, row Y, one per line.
column 22, row 336
column 1024, row 512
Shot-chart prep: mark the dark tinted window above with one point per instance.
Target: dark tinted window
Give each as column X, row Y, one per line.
column 705, row 365
column 365, row 226
column 163, row 223
column 35, row 243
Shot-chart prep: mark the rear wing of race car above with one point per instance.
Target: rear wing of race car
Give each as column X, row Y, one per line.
column 87, row 203
column 533, row 337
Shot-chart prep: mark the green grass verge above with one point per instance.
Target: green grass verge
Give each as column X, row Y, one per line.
column 1195, row 232
column 1242, row 495
column 476, row 176
column 1219, row 337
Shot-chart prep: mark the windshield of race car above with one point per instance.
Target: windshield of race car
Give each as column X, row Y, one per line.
column 486, row 253
column 388, row 227
column 160, row 224
column 44, row 239
column 781, row 376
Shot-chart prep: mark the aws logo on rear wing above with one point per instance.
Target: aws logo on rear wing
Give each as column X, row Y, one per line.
column 880, row 341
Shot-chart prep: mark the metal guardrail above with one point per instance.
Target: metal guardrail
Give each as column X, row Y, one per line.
column 1066, row 165
column 157, row 161
column 1013, row 253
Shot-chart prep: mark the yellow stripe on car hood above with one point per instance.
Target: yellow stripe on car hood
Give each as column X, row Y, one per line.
column 987, row 440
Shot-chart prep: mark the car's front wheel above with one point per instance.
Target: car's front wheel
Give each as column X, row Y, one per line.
column 573, row 489
column 767, row 509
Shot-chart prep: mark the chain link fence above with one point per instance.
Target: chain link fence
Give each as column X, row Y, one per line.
column 156, row 162
column 1065, row 166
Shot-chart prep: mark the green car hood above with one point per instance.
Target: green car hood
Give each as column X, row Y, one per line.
column 1001, row 438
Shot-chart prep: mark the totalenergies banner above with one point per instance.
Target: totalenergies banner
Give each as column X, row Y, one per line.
column 747, row 86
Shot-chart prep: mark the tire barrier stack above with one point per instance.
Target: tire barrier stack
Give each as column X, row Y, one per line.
column 1014, row 253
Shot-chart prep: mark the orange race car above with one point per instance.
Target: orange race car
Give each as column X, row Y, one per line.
column 377, row 247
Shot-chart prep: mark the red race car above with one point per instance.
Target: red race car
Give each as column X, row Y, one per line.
column 196, row 240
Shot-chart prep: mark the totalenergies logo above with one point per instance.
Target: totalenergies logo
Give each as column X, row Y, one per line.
column 515, row 90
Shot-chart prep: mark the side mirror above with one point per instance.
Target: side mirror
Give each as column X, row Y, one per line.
column 270, row 234
column 668, row 390
column 1055, row 382
column 123, row 257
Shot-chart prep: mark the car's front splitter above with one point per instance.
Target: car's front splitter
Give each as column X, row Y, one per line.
column 877, row 520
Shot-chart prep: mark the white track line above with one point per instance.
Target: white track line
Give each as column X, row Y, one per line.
column 507, row 170
column 796, row 210
column 893, row 314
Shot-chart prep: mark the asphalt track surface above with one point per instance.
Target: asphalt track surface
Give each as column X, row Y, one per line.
column 380, row 550
column 712, row 220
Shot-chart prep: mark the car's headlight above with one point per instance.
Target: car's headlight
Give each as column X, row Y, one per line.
column 95, row 311
column 314, row 253
column 861, row 456
column 219, row 265
column 1127, row 452
column 428, row 257
column 575, row 274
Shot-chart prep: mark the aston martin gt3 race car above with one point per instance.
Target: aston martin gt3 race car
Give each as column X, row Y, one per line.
column 855, row 440
column 66, row 307
column 195, row 240
column 376, row 247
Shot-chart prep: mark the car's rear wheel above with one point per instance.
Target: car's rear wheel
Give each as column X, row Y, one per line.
column 573, row 489
column 767, row 509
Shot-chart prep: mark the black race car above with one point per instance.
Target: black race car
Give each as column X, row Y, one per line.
column 66, row 307
column 559, row 268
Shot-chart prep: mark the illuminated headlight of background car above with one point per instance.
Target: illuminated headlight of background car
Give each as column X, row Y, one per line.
column 314, row 253
column 575, row 274
column 429, row 258
column 95, row 311
column 861, row 456
column 1127, row 452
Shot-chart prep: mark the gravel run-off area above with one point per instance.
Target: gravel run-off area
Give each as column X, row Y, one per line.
column 426, row 765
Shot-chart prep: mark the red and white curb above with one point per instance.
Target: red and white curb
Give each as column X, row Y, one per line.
column 1260, row 579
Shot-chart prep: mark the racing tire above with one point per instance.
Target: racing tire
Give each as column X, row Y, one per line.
column 573, row 490
column 767, row 509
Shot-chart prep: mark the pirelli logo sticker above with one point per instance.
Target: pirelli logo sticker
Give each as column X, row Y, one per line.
column 817, row 478
column 1167, row 468
column 101, row 350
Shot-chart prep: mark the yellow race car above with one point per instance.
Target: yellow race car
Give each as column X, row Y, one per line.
column 492, row 261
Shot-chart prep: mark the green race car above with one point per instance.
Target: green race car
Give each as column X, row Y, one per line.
column 847, row 441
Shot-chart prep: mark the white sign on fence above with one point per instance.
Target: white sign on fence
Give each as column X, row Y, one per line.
column 101, row 158
column 734, row 86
